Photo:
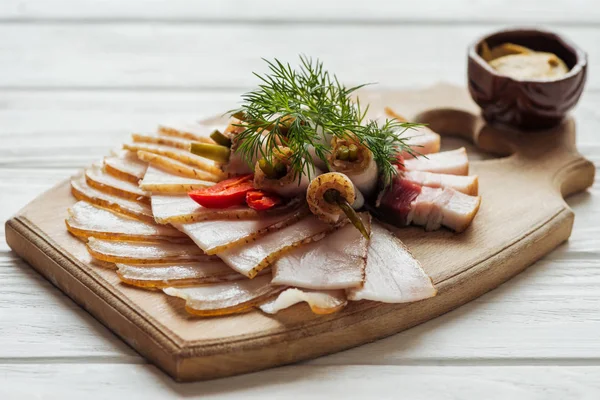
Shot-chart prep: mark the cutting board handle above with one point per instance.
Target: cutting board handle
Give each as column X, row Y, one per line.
column 550, row 155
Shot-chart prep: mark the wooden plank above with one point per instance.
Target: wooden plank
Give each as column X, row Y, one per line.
column 70, row 129
column 76, row 381
column 483, row 258
column 352, row 11
column 39, row 322
column 536, row 311
column 182, row 56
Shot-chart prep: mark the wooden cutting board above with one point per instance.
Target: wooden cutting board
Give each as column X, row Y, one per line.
column 522, row 218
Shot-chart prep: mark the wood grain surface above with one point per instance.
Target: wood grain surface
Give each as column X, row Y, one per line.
column 533, row 337
column 506, row 237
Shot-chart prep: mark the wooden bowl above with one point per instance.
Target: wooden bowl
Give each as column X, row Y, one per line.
column 526, row 104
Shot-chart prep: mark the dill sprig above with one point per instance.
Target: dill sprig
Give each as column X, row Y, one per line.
column 387, row 142
column 296, row 107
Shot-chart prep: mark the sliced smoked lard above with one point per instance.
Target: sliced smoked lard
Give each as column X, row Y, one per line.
column 181, row 155
column 197, row 131
column 407, row 203
column 100, row 180
column 250, row 258
column 320, row 302
column 157, row 180
column 335, row 262
column 82, row 191
column 215, row 236
column 176, row 167
column 454, row 162
column 86, row 220
column 180, row 209
column 392, row 274
column 436, row 207
column 395, row 203
column 465, row 184
column 117, row 251
column 177, row 274
column 125, row 165
column 227, row 297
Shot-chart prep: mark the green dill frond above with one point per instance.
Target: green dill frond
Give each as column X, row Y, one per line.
column 295, row 107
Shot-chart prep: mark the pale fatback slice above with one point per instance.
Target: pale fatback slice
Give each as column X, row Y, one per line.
column 182, row 209
column 454, row 162
column 226, row 298
column 181, row 274
column 465, row 184
column 176, row 167
column 97, row 178
column 320, row 302
column 434, row 208
column 145, row 253
column 392, row 274
column 215, row 236
column 249, row 259
column 126, row 166
column 335, row 262
column 189, row 130
column 158, row 181
column 82, row 191
column 86, row 220
column 174, row 153
column 171, row 141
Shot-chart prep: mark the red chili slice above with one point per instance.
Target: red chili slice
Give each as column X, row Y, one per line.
column 228, row 193
column 261, row 200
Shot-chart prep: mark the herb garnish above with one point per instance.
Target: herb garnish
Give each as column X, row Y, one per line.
column 294, row 107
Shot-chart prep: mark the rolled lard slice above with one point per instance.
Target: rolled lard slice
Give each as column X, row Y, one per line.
column 290, row 185
column 126, row 166
column 328, row 212
column 226, row 298
column 82, row 191
column 464, row 184
column 454, row 162
column 176, row 167
column 335, row 262
column 158, row 181
column 145, row 253
column 216, row 236
column 392, row 274
column 362, row 171
column 249, row 259
column 97, row 178
column 176, row 275
column 320, row 302
column 86, row 220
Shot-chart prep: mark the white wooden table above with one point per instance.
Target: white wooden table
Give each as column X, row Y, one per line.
column 77, row 76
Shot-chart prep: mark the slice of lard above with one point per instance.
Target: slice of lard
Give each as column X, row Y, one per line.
column 392, row 274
